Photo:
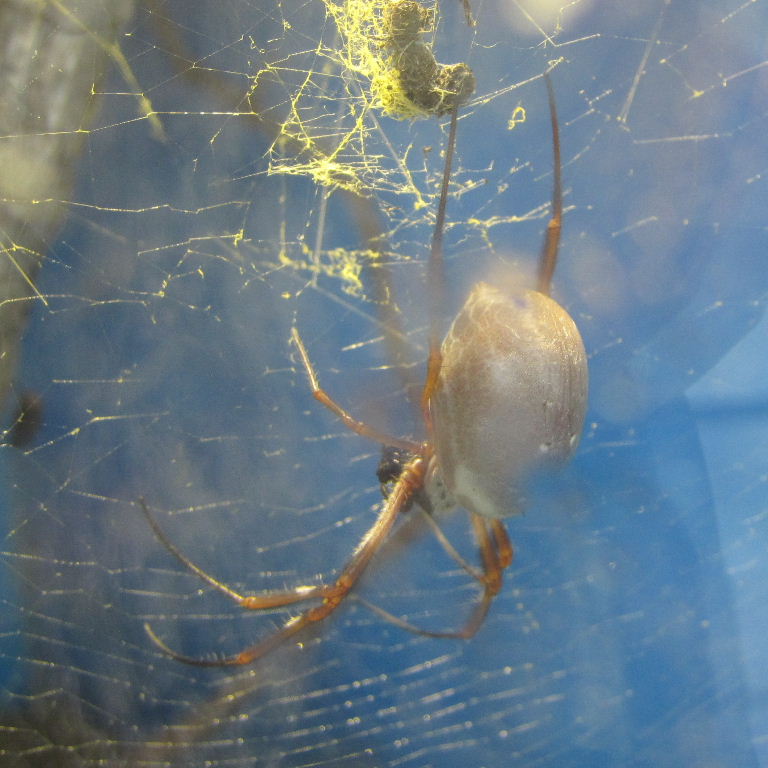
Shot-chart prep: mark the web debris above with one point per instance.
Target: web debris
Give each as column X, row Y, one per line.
column 384, row 65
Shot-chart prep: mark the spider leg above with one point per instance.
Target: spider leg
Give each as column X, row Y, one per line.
column 446, row 544
column 504, row 547
column 548, row 258
column 436, row 279
column 411, row 479
column 496, row 553
column 249, row 602
column 359, row 427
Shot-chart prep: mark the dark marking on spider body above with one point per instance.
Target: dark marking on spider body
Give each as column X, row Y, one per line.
column 434, row 497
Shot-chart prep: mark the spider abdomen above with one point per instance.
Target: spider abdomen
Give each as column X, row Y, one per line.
column 510, row 399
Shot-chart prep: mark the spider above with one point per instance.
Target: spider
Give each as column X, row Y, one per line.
column 504, row 396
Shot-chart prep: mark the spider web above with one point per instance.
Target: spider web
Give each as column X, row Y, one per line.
column 199, row 229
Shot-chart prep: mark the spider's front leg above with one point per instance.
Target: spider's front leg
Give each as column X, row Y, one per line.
column 359, row 427
column 332, row 595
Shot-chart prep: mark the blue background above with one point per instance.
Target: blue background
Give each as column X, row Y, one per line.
column 630, row 629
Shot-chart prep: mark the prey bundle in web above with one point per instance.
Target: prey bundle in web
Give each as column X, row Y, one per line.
column 379, row 60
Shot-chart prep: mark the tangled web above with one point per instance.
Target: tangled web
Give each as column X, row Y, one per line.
column 248, row 167
column 379, row 55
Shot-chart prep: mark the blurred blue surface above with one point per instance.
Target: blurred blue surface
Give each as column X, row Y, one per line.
column 630, row 628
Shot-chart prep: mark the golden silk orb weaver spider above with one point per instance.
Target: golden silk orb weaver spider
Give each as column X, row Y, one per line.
column 505, row 395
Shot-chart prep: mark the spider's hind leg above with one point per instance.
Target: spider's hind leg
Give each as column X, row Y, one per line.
column 496, row 553
column 549, row 249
